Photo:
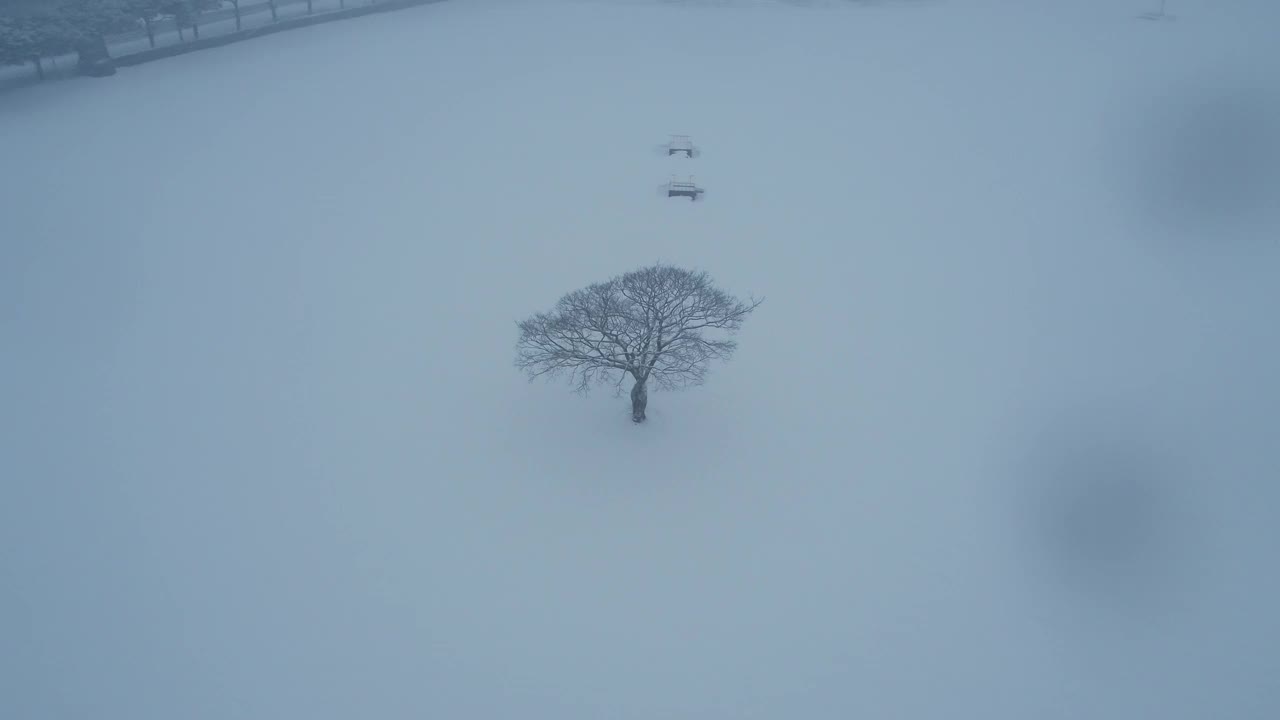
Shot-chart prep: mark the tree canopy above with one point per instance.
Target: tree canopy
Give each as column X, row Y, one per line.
column 660, row 323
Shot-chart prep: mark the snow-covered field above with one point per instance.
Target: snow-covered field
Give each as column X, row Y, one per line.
column 1001, row 443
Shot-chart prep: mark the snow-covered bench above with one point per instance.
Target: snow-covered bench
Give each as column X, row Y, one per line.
column 684, row 188
column 681, row 144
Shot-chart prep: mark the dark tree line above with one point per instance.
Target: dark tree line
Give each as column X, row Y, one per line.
column 32, row 30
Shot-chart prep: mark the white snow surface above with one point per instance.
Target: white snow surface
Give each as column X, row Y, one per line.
column 1000, row 443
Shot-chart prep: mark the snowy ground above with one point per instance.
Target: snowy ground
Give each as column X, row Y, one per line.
column 1001, row 443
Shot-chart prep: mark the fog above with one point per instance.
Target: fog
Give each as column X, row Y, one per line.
column 1001, row 442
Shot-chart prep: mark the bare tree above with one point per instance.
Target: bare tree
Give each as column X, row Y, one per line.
column 660, row 323
column 186, row 13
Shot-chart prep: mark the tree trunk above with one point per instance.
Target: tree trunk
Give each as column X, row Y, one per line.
column 151, row 33
column 237, row 6
column 182, row 37
column 195, row 29
column 39, row 67
column 308, row 7
column 274, row 15
column 639, row 399
column 95, row 59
